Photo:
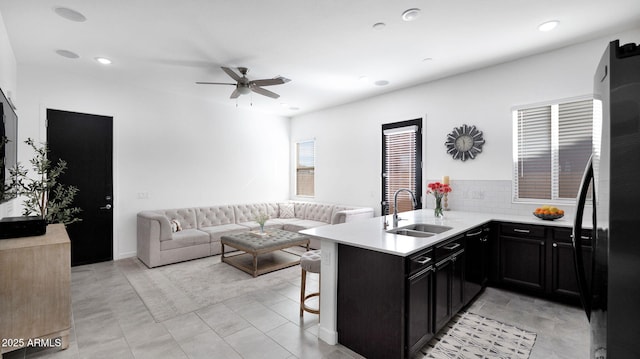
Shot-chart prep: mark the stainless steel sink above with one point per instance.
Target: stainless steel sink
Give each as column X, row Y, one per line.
column 419, row 230
column 410, row 232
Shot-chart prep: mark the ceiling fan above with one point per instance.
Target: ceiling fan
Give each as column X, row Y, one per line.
column 244, row 85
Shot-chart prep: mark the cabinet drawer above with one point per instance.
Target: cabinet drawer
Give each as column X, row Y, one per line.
column 564, row 235
column 522, row 230
column 419, row 261
column 448, row 248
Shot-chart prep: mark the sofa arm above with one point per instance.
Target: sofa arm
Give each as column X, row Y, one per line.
column 152, row 228
column 350, row 215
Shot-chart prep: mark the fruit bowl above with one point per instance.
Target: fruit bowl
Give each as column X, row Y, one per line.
column 548, row 217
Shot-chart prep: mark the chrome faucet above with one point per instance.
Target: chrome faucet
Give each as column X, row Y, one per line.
column 395, row 205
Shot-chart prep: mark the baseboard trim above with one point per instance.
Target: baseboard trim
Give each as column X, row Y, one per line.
column 328, row 336
column 126, row 255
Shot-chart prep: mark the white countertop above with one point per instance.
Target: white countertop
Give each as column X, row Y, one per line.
column 369, row 233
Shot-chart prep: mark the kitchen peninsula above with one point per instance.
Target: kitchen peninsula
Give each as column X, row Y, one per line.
column 386, row 294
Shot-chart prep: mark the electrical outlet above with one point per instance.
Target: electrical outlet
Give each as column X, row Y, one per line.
column 477, row 195
column 143, row 195
column 326, row 258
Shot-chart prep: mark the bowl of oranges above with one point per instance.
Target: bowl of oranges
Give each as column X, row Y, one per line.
column 548, row 213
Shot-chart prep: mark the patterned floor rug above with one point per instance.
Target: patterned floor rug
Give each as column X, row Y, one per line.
column 469, row 335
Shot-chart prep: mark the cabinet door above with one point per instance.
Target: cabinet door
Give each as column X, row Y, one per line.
column 564, row 281
column 477, row 261
column 442, row 295
column 419, row 312
column 522, row 263
column 457, row 282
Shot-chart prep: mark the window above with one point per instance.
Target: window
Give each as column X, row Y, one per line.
column 305, row 168
column 401, row 164
column 552, row 144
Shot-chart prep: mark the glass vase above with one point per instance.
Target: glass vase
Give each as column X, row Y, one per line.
column 437, row 211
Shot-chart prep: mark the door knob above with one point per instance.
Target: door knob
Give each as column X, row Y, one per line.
column 108, row 206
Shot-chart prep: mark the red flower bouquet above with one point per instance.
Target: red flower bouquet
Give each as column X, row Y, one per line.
column 438, row 190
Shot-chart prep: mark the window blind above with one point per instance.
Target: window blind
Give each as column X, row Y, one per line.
column 552, row 147
column 533, row 169
column 305, row 168
column 574, row 145
column 400, row 165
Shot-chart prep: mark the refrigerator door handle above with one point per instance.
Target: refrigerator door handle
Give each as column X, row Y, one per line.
column 585, row 295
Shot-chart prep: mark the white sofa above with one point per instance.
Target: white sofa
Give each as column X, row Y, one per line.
column 202, row 227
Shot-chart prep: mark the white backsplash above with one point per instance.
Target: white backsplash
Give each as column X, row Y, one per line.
column 491, row 197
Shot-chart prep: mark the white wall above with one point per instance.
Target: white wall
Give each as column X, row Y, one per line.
column 181, row 151
column 348, row 147
column 8, row 72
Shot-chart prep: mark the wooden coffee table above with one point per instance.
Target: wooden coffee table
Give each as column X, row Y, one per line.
column 270, row 247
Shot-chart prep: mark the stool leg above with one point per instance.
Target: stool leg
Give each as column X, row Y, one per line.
column 303, row 284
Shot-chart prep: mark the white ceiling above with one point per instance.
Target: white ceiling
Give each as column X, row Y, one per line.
column 323, row 46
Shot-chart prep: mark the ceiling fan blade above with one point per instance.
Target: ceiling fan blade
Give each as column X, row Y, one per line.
column 231, row 73
column 235, row 94
column 270, row 82
column 214, row 83
column 261, row 91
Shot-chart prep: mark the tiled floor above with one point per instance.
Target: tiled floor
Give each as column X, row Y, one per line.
column 110, row 320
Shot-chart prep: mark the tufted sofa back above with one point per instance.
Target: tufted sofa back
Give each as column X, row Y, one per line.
column 248, row 212
column 319, row 212
column 186, row 216
column 215, row 216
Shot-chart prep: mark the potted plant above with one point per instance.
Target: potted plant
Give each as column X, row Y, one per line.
column 43, row 194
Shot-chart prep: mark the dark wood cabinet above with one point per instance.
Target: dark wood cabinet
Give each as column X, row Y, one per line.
column 384, row 302
column 419, row 309
column 390, row 306
column 371, row 302
column 449, row 281
column 564, row 284
column 540, row 260
column 523, row 257
column 478, row 258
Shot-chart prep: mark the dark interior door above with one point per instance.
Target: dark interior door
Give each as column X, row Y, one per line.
column 85, row 142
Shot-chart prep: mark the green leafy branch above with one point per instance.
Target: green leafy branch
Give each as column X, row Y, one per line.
column 44, row 195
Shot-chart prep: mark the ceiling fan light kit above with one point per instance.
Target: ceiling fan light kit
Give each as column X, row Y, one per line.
column 244, row 85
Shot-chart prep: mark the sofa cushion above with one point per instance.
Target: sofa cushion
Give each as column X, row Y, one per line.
column 185, row 238
column 186, row 216
column 215, row 232
column 286, row 210
column 301, row 224
column 215, row 216
column 270, row 223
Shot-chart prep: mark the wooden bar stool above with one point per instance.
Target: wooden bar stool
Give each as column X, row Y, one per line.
column 309, row 262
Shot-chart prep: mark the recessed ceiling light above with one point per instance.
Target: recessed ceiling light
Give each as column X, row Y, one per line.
column 427, row 59
column 381, row 83
column 68, row 54
column 70, row 14
column 548, row 26
column 411, row 14
column 103, row 60
column 293, row 108
column 379, row 25
column 363, row 78
column 283, row 104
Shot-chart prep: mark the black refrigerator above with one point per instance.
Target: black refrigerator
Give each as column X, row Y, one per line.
column 611, row 184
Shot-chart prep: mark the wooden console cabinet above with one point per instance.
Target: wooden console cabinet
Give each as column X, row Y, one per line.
column 35, row 292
